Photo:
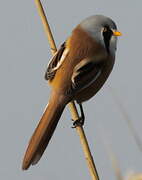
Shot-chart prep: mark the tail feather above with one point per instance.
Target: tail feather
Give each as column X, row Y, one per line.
column 43, row 132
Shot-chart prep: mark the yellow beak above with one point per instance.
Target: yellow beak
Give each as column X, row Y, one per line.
column 117, row 33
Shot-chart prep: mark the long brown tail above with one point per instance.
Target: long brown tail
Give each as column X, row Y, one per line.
column 44, row 131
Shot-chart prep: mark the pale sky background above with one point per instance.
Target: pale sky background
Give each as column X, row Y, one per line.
column 24, row 54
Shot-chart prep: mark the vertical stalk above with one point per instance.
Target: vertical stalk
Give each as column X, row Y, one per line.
column 72, row 107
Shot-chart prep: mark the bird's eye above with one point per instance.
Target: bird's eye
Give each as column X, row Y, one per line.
column 105, row 29
column 107, row 33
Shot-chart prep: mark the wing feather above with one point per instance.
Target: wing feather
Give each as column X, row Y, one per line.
column 56, row 61
column 85, row 73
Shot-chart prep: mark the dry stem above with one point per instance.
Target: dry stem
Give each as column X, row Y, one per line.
column 72, row 106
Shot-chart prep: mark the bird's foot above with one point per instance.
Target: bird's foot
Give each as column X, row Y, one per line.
column 78, row 122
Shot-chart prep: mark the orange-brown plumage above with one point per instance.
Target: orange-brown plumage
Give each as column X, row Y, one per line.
column 77, row 72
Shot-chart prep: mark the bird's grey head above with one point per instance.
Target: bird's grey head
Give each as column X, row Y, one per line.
column 102, row 29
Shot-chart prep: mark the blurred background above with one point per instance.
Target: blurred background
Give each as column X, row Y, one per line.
column 24, row 54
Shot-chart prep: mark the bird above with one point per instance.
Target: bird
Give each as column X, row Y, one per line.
column 77, row 71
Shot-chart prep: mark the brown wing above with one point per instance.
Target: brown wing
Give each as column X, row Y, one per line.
column 55, row 63
column 85, row 73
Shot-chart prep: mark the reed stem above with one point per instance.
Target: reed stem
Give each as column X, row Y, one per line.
column 72, row 107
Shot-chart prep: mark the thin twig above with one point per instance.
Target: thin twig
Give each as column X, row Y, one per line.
column 72, row 106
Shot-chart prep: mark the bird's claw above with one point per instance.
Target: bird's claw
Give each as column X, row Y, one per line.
column 78, row 122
